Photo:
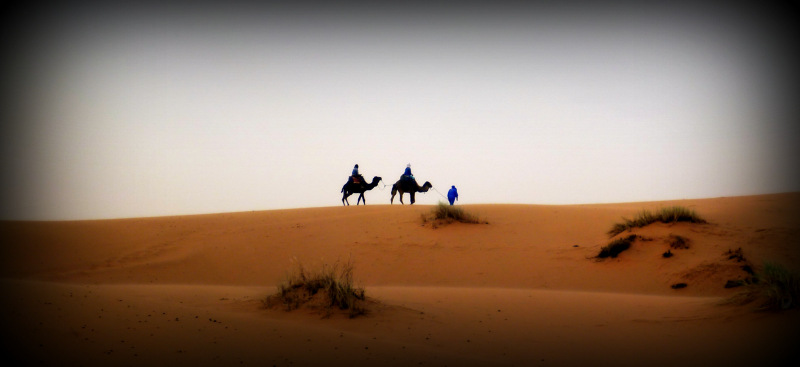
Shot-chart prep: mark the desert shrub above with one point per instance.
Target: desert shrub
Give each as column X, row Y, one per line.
column 616, row 246
column 445, row 214
column 328, row 288
column 774, row 287
column 444, row 211
column 664, row 215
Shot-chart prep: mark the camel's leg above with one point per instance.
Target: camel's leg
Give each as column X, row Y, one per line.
column 361, row 198
column 344, row 199
column 412, row 197
column 393, row 193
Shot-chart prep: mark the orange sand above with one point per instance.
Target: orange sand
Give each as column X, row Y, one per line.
column 522, row 290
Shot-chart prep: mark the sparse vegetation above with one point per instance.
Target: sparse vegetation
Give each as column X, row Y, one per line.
column 665, row 215
column 737, row 255
column 735, row 283
column 677, row 242
column 327, row 289
column 775, row 287
column 444, row 211
column 615, row 247
column 446, row 214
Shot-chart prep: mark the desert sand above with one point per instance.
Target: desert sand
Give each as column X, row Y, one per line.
column 522, row 290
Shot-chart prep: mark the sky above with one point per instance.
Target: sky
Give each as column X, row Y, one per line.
column 116, row 110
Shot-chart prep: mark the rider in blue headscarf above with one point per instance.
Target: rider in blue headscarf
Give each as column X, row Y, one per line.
column 407, row 176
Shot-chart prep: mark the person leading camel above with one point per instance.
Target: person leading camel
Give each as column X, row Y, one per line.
column 452, row 195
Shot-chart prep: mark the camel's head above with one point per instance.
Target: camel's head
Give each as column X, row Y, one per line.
column 427, row 185
column 377, row 179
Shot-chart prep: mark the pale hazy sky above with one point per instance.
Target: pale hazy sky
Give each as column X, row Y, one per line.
column 158, row 110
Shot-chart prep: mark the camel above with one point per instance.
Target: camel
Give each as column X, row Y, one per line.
column 351, row 188
column 408, row 186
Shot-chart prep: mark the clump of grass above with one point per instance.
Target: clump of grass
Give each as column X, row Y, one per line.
column 329, row 288
column 446, row 214
column 444, row 211
column 664, row 215
column 615, row 247
column 775, row 287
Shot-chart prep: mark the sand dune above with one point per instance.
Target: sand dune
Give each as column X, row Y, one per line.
column 521, row 290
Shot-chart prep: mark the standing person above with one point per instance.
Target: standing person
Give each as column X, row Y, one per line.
column 452, row 195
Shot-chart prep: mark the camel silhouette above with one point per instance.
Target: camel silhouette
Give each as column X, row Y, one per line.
column 351, row 188
column 408, row 186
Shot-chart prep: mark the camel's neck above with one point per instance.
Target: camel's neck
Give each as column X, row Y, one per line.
column 372, row 184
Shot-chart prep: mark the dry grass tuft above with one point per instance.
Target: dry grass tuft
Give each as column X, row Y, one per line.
column 445, row 214
column 774, row 287
column 615, row 247
column 326, row 290
column 665, row 215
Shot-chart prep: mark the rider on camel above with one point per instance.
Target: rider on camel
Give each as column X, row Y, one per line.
column 407, row 176
column 355, row 177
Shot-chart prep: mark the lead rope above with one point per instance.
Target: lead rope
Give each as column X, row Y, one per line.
column 440, row 194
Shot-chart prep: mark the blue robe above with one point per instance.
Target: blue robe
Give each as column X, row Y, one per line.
column 452, row 195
